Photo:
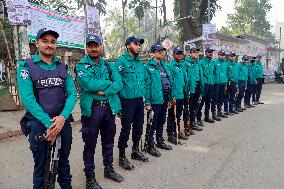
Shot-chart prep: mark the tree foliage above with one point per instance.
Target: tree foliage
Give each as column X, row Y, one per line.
column 194, row 14
column 250, row 18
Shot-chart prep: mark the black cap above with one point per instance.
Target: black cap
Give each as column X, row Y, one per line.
column 232, row 53
column 157, row 47
column 44, row 31
column 245, row 57
column 259, row 56
column 209, row 49
column 221, row 52
column 134, row 39
column 93, row 38
column 192, row 49
column 177, row 49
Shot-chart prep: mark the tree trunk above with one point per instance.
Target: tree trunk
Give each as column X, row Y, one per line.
column 165, row 12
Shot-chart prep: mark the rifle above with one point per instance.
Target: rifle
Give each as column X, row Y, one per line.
column 150, row 116
column 186, row 116
column 52, row 160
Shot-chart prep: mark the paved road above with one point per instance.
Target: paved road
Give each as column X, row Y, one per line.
column 242, row 152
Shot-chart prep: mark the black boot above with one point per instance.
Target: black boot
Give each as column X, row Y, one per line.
column 220, row 114
column 234, row 112
column 111, row 174
column 229, row 113
column 181, row 136
column 173, row 139
column 123, row 161
column 200, row 123
column 191, row 132
column 195, row 127
column 138, row 155
column 209, row 120
column 239, row 109
column 215, row 117
column 153, row 151
column 161, row 144
column 91, row 183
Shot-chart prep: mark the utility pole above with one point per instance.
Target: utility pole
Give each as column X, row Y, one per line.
column 124, row 3
column 156, row 20
column 209, row 11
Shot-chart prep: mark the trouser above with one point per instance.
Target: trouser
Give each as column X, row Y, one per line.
column 132, row 116
column 230, row 96
column 258, row 89
column 159, row 119
column 206, row 99
column 102, row 120
column 171, row 123
column 39, row 151
column 193, row 103
column 242, row 86
column 249, row 93
column 218, row 97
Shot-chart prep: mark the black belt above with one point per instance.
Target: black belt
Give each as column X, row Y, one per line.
column 100, row 103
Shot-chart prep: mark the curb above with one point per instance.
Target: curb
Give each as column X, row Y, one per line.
column 16, row 133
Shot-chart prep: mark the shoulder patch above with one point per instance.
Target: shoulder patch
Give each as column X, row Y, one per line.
column 120, row 68
column 24, row 74
column 88, row 66
column 80, row 73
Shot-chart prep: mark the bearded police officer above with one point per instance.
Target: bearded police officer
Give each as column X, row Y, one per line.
column 49, row 95
column 131, row 69
column 158, row 97
column 99, row 84
column 178, row 87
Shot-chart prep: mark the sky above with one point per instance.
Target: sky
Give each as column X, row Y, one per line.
column 221, row 15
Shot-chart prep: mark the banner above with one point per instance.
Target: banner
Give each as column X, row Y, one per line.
column 93, row 21
column 18, row 12
column 209, row 33
column 71, row 29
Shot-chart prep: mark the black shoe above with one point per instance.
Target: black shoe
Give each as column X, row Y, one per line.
column 260, row 102
column 244, row 109
column 209, row 120
column 124, row 162
column 216, row 118
column 181, row 136
column 220, row 114
column 110, row 173
column 239, row 109
column 92, row 183
column 200, row 123
column 173, row 139
column 138, row 155
column 153, row 151
column 195, row 127
column 162, row 145
column 191, row 132
column 229, row 113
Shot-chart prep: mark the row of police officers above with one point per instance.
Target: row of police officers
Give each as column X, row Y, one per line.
column 127, row 87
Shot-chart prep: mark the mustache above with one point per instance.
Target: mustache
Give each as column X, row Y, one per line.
column 49, row 48
column 94, row 51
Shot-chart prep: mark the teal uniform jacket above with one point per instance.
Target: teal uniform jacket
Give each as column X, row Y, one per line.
column 251, row 76
column 207, row 66
column 154, row 90
column 243, row 73
column 258, row 70
column 132, row 73
column 194, row 74
column 233, row 70
column 220, row 72
column 27, row 96
column 179, row 79
column 94, row 77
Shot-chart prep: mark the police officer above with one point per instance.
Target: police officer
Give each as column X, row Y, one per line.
column 207, row 67
column 158, row 97
column 243, row 77
column 49, row 95
column 258, row 74
column 178, row 87
column 195, row 86
column 99, row 84
column 131, row 69
column 250, row 83
column 232, row 87
column 220, row 86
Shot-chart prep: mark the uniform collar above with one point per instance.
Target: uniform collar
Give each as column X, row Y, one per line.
column 87, row 59
column 176, row 63
column 152, row 61
column 37, row 59
column 129, row 57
